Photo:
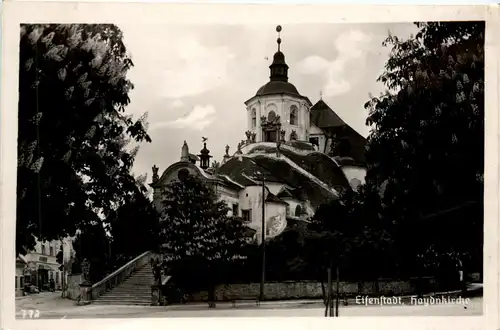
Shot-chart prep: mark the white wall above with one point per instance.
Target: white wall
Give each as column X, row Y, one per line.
column 274, row 187
column 45, row 257
column 292, row 204
column 273, row 210
column 230, row 197
column 251, row 199
column 317, row 132
column 55, row 245
column 354, row 172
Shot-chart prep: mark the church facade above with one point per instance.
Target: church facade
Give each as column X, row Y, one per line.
column 295, row 156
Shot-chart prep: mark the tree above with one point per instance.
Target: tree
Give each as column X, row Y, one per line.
column 199, row 237
column 333, row 229
column 426, row 149
column 73, row 161
column 60, row 261
column 60, row 257
column 93, row 244
column 349, row 234
column 134, row 226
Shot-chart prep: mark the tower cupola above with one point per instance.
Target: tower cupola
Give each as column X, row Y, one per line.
column 279, row 68
column 204, row 156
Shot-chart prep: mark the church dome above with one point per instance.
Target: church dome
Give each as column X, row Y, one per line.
column 278, row 78
column 277, row 87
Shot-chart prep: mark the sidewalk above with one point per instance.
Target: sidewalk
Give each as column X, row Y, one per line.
column 473, row 289
column 43, row 301
column 51, row 303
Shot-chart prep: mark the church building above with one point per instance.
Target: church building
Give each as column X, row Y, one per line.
column 295, row 156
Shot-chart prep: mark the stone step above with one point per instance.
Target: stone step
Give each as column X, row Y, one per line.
column 130, row 291
column 140, row 279
column 122, row 302
column 125, row 297
column 134, row 286
column 135, row 290
column 141, row 275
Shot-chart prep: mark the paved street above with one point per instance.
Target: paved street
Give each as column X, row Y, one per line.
column 276, row 309
column 44, row 301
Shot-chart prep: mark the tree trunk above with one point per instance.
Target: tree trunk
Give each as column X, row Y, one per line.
column 337, row 292
column 323, row 292
column 329, row 294
column 211, row 296
column 419, row 284
column 63, row 283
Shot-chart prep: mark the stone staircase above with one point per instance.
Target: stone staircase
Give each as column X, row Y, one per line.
column 135, row 290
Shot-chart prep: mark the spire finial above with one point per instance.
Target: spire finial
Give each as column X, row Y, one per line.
column 320, row 95
column 278, row 29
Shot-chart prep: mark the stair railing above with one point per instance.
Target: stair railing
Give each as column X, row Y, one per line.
column 118, row 276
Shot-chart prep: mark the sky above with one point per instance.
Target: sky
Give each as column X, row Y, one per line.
column 193, row 80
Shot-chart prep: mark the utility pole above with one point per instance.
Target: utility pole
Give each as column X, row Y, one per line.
column 263, row 237
column 337, row 293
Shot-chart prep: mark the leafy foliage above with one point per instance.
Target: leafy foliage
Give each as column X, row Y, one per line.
column 73, row 163
column 426, row 150
column 197, row 233
column 93, row 244
column 134, row 225
column 421, row 207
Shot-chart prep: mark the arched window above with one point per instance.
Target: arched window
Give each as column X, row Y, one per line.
column 293, row 115
column 298, row 211
column 254, row 118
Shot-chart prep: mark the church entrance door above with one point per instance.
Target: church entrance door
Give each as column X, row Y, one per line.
column 270, row 136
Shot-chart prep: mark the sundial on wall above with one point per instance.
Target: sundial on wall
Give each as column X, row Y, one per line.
column 276, row 225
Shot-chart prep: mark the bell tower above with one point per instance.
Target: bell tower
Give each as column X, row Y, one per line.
column 278, row 112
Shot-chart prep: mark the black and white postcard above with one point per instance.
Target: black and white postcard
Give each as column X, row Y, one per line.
column 164, row 163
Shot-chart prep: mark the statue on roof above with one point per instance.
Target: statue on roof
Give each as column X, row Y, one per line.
column 227, row 150
column 155, row 173
column 248, row 135
column 252, row 137
column 282, row 135
column 293, row 135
